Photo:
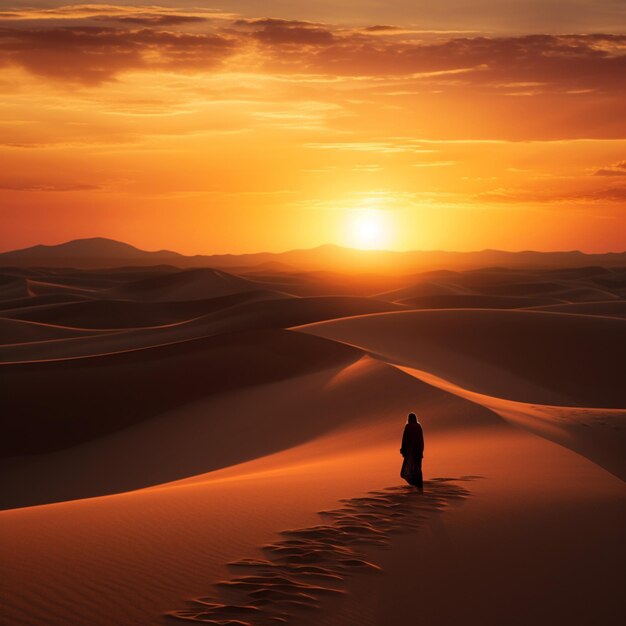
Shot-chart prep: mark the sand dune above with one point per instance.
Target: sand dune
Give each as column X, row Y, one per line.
column 13, row 288
column 325, row 283
column 253, row 315
column 99, row 279
column 423, row 290
column 168, row 461
column 46, row 280
column 558, row 375
column 35, row 301
column 519, row 288
column 504, row 288
column 611, row 308
column 547, row 358
column 40, row 288
column 82, row 398
column 173, row 542
column 196, row 284
column 615, row 280
column 23, row 332
column 116, row 314
column 597, row 433
column 194, row 438
column 474, row 301
column 584, row 294
column 590, row 272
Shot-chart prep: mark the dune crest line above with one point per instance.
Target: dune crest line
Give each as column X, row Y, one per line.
column 313, row 563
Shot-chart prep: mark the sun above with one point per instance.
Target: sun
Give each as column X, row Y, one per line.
column 369, row 229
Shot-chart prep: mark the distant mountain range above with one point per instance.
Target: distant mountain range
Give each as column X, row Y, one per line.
column 100, row 253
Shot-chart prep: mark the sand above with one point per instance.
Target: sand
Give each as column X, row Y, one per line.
column 151, row 444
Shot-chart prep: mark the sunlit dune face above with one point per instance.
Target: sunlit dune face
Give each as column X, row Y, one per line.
column 368, row 229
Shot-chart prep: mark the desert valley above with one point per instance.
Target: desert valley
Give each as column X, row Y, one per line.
column 222, row 445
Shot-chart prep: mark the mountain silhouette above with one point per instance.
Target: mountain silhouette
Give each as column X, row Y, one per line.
column 100, row 253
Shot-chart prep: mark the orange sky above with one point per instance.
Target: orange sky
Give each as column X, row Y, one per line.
column 207, row 130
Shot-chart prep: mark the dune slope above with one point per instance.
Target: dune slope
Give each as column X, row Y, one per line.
column 519, row 355
column 85, row 397
column 230, row 315
column 137, row 557
column 196, row 284
column 556, row 374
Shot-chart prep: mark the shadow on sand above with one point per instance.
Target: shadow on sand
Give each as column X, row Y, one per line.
column 313, row 563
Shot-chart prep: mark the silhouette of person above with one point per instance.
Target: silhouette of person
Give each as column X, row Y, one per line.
column 413, row 451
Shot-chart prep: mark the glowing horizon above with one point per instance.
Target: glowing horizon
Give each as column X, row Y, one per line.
column 261, row 127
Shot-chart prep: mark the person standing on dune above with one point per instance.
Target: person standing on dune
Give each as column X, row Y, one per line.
column 413, row 451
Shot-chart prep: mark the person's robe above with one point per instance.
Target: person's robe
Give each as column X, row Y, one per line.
column 412, row 450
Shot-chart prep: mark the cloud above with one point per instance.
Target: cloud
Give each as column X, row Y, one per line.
column 94, row 55
column 617, row 169
column 380, row 28
column 379, row 147
column 153, row 38
column 151, row 19
column 613, row 194
column 274, row 32
column 17, row 186
column 595, row 62
column 434, row 164
column 78, row 12
column 610, row 194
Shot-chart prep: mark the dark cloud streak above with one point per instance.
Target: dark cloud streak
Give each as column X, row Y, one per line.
column 617, row 169
column 154, row 19
column 93, row 54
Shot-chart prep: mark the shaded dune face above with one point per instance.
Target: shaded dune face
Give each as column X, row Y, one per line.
column 12, row 288
column 185, row 285
column 255, row 315
column 505, row 288
column 611, row 308
column 470, row 301
column 120, row 314
column 16, row 332
column 77, row 399
column 547, row 358
column 26, row 302
column 122, row 377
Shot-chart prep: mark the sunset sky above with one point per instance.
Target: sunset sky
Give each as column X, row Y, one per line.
column 244, row 125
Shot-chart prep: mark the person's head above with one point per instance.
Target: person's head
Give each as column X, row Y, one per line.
column 412, row 418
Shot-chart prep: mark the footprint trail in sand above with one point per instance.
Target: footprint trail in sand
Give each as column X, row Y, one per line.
column 313, row 563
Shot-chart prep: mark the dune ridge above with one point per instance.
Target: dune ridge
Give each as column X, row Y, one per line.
column 229, row 316
column 14, row 332
column 566, row 389
column 194, row 284
column 122, row 314
column 584, row 350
